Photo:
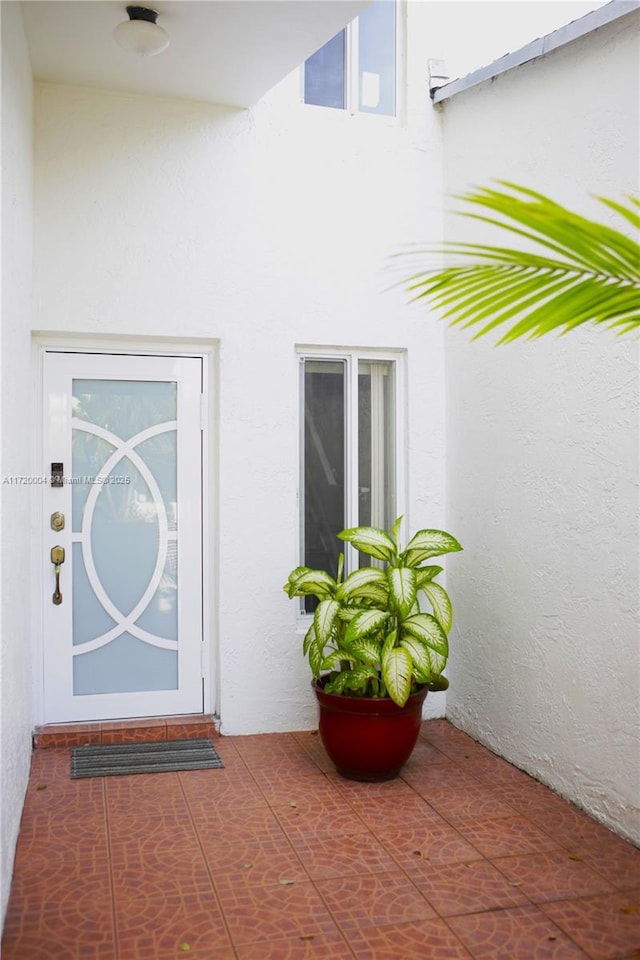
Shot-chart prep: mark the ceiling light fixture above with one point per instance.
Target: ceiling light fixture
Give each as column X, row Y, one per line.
column 140, row 33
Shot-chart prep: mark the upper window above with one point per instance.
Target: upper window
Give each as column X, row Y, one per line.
column 356, row 70
column 348, row 456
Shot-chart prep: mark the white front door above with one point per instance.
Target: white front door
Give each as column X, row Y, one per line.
column 122, row 614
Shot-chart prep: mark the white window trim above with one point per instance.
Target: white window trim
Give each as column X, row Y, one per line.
column 351, row 356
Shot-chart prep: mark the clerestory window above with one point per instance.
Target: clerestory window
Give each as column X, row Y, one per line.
column 349, row 439
column 356, row 69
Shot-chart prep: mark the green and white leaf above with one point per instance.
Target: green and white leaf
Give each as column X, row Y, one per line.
column 438, row 663
column 419, row 653
column 389, row 643
column 337, row 683
column 429, row 543
column 358, row 584
column 372, row 541
column 365, row 623
column 346, row 614
column 367, row 650
column 309, row 638
column 375, row 594
column 315, row 583
column 428, row 631
column 402, row 589
column 358, row 678
column 431, row 666
column 316, row 656
column 395, row 532
column 334, row 660
column 397, row 668
column 324, row 619
column 424, row 574
column 293, row 578
column 439, row 600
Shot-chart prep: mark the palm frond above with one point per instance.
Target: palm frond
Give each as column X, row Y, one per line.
column 586, row 271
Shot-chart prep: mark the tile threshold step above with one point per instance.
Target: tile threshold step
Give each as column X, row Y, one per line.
column 142, row 729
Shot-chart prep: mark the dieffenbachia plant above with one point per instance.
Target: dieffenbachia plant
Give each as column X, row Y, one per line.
column 370, row 636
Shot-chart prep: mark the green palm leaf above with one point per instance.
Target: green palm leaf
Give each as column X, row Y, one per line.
column 587, row 271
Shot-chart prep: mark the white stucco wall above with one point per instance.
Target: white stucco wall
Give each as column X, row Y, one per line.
column 258, row 230
column 15, row 501
column 543, row 455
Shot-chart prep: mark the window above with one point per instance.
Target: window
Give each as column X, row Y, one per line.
column 349, row 440
column 356, row 70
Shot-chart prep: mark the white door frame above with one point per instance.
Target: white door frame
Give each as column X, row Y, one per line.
column 207, row 351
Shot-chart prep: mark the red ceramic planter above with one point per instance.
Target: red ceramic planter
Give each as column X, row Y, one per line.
column 368, row 738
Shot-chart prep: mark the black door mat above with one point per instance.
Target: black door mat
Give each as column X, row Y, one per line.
column 110, row 760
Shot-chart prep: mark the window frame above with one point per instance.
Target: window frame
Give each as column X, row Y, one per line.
column 352, row 63
column 351, row 357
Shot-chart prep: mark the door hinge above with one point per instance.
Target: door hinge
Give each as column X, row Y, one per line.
column 203, row 411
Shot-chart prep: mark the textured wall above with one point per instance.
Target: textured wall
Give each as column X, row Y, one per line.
column 543, row 456
column 16, row 503
column 261, row 230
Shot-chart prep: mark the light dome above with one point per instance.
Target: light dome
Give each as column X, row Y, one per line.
column 141, row 34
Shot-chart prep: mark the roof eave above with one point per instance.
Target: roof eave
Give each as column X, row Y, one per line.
column 538, row 48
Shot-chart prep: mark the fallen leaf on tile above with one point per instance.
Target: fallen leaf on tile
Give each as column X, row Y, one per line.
column 285, row 883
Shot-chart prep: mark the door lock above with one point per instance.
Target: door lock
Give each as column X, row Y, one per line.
column 57, row 559
column 57, row 521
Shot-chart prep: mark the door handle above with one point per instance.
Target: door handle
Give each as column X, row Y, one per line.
column 57, row 559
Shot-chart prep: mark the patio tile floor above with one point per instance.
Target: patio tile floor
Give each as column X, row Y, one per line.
column 276, row 857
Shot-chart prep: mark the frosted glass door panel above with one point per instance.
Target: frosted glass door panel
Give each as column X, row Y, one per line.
column 124, row 469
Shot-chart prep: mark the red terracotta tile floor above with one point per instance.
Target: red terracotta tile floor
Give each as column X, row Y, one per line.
column 275, row 857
